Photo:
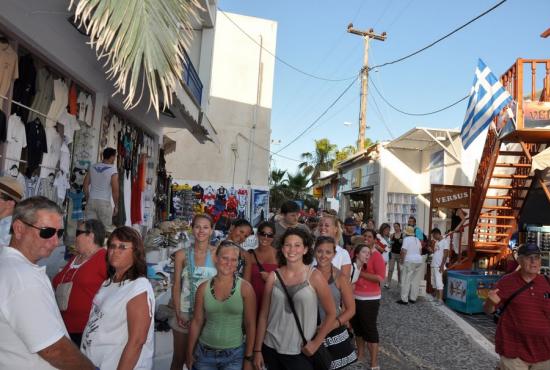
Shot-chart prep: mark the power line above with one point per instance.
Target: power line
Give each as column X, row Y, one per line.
column 381, row 116
column 415, row 114
column 267, row 150
column 441, row 38
column 291, row 66
column 319, row 117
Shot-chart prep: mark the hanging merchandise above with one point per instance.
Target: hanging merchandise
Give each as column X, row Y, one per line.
column 9, row 70
column 16, row 140
column 36, row 145
column 24, row 87
column 70, row 125
column 85, row 108
column 59, row 104
column 51, row 157
column 44, row 93
column 3, row 127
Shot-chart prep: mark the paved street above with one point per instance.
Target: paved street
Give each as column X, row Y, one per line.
column 422, row 336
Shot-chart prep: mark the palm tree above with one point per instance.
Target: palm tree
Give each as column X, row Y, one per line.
column 321, row 159
column 345, row 152
column 140, row 35
column 298, row 185
column 278, row 187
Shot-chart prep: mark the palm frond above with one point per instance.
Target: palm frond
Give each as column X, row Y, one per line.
column 140, row 35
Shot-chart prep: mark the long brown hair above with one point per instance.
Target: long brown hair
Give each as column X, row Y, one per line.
column 139, row 267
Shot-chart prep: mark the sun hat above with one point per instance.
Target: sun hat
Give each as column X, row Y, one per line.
column 409, row 230
column 11, row 188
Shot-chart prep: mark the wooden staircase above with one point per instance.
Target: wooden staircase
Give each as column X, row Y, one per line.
column 504, row 176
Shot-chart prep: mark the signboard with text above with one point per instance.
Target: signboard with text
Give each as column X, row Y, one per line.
column 450, row 196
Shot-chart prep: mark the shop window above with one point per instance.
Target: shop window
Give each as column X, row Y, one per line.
column 437, row 167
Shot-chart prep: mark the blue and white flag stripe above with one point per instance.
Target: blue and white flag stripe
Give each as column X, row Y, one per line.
column 487, row 98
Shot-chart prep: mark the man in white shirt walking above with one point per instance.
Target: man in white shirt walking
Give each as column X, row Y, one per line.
column 100, row 185
column 33, row 335
column 439, row 259
column 411, row 259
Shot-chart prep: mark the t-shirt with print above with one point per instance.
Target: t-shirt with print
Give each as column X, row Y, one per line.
column 100, row 180
column 16, row 139
column 439, row 249
column 29, row 317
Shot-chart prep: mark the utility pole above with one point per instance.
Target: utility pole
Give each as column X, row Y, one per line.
column 367, row 35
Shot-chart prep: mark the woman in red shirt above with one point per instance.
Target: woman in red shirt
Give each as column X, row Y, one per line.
column 261, row 261
column 78, row 282
column 367, row 294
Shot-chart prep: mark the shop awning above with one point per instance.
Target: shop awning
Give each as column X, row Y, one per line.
column 359, row 190
column 423, row 138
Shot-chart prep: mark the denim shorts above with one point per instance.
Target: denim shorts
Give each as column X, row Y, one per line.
column 207, row 358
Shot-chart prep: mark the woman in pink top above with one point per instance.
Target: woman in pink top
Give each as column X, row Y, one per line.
column 367, row 294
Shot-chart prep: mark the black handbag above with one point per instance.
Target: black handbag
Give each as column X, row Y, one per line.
column 321, row 359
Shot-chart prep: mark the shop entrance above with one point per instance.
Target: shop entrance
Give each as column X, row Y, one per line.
column 361, row 203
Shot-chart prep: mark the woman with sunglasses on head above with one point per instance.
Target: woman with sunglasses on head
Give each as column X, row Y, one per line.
column 119, row 333
column 339, row 284
column 279, row 343
column 367, row 294
column 78, row 282
column 328, row 226
column 224, row 305
column 262, row 260
column 192, row 266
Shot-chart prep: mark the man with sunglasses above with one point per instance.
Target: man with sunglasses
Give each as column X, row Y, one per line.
column 522, row 338
column 11, row 193
column 33, row 335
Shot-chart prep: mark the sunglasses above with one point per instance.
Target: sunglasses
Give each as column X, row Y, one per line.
column 266, row 235
column 46, row 232
column 121, row 246
column 80, row 232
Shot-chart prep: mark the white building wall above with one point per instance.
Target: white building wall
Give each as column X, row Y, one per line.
column 242, row 74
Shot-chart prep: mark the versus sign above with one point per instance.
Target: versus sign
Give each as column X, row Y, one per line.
column 451, row 196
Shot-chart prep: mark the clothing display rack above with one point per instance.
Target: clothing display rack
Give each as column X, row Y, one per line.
column 27, row 107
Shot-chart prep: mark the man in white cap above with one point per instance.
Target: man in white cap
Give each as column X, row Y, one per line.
column 11, row 192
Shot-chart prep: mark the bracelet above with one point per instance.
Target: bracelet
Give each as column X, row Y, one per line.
column 339, row 322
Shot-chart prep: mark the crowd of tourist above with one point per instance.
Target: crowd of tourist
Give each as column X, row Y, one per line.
column 306, row 297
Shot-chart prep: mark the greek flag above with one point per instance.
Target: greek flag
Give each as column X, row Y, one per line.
column 487, row 98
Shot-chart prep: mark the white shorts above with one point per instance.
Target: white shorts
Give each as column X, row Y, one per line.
column 437, row 278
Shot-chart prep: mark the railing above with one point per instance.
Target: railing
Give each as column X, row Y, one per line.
column 191, row 78
column 513, row 80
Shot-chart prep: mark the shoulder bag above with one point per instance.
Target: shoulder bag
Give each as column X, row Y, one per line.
column 500, row 311
column 260, row 267
column 322, row 358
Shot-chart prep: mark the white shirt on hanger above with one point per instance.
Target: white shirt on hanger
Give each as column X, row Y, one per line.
column 50, row 159
column 16, row 139
column 70, row 125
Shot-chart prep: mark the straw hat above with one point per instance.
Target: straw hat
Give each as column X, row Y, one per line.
column 11, row 188
column 409, row 230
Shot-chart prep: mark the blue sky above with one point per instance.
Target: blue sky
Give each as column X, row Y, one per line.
column 312, row 36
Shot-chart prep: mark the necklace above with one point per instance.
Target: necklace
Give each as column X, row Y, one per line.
column 233, row 287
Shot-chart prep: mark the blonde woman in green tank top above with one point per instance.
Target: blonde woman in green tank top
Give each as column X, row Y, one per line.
column 223, row 305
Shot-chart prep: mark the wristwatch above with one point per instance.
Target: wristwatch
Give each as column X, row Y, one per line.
column 248, row 358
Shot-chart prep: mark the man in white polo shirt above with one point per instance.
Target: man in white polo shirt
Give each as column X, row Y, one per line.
column 32, row 333
column 439, row 259
column 100, row 185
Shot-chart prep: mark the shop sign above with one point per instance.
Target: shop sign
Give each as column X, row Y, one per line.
column 449, row 196
column 317, row 192
column 356, row 178
column 456, row 289
column 536, row 114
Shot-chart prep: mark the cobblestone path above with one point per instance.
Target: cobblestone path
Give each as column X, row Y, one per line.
column 421, row 336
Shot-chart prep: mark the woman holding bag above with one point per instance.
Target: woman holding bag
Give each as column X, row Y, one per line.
column 279, row 340
column 338, row 341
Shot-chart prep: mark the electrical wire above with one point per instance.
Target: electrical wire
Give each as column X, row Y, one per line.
column 441, row 38
column 320, row 116
column 289, row 65
column 415, row 114
column 381, row 116
column 267, row 150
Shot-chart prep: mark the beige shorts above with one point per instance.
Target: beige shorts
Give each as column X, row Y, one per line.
column 519, row 364
column 173, row 322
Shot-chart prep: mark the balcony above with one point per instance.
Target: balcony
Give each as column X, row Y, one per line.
column 191, row 79
column 528, row 81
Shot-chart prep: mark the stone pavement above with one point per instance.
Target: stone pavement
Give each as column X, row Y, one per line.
column 426, row 336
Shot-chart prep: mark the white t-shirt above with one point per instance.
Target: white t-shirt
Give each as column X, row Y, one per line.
column 341, row 258
column 100, row 180
column 106, row 333
column 70, row 125
column 16, row 139
column 51, row 158
column 440, row 247
column 414, row 249
column 29, row 318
